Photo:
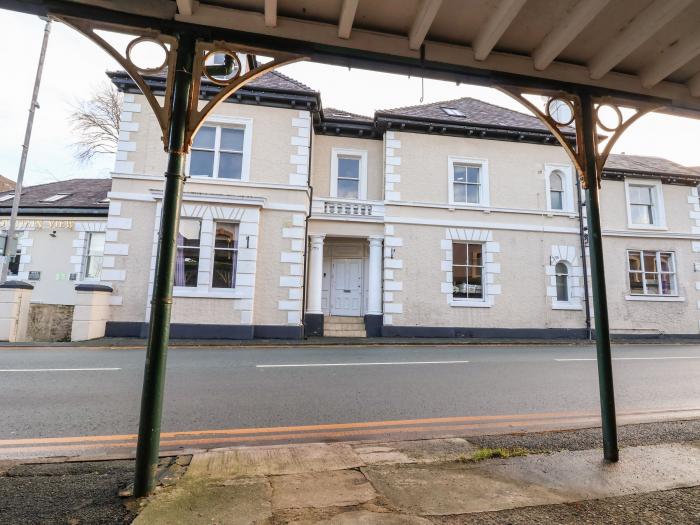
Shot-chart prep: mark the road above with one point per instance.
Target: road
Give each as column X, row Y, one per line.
column 79, row 401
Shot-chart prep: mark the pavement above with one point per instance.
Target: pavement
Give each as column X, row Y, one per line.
column 550, row 477
column 85, row 402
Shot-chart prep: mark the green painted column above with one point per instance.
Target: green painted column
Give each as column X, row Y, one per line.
column 161, row 303
column 600, row 300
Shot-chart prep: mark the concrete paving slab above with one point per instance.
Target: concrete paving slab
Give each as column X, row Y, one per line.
column 274, row 460
column 339, row 488
column 364, row 517
column 416, row 451
column 441, row 489
column 195, row 501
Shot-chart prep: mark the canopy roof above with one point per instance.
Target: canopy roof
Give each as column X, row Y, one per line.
column 648, row 49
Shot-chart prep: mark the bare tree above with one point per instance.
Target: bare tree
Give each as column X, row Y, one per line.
column 96, row 121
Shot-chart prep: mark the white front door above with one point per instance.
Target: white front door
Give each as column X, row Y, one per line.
column 346, row 287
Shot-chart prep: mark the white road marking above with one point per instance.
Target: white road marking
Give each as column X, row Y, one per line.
column 59, row 369
column 664, row 358
column 364, row 364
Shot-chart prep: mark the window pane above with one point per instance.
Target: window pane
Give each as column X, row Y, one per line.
column 348, row 189
column 460, row 173
column 205, row 138
column 474, row 254
column 473, row 193
column 475, row 289
column 13, row 266
column 640, row 194
column 349, row 168
column 562, row 287
column 186, row 267
column 460, row 192
column 650, row 262
column 459, row 281
column 652, row 280
column 224, row 272
column 188, row 233
column 225, row 235
column 230, row 165
column 557, row 200
column 555, row 181
column 473, row 174
column 666, row 262
column 635, row 260
column 202, row 163
column 636, row 286
column 231, row 139
column 666, row 283
column 96, row 244
column 459, row 253
column 93, row 266
column 641, row 214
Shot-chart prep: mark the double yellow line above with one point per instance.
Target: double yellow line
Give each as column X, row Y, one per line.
column 394, row 429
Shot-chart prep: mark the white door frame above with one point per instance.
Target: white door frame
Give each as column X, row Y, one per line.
column 332, row 287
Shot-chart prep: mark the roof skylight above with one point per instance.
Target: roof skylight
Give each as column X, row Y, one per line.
column 453, row 112
column 4, row 198
column 56, row 197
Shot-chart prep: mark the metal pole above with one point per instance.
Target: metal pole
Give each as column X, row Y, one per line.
column 161, row 303
column 600, row 302
column 10, row 239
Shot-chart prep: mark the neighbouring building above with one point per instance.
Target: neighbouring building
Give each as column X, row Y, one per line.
column 451, row 219
column 60, row 243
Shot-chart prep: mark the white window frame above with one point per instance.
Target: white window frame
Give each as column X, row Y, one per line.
column 483, row 180
column 201, row 248
column 674, row 296
column 223, row 121
column 657, row 207
column 470, row 301
column 87, row 256
column 235, row 250
column 336, row 153
column 568, row 185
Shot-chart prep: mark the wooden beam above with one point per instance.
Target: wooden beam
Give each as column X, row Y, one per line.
column 271, row 13
column 347, row 17
column 671, row 59
column 565, row 32
column 187, row 7
column 421, row 25
column 694, row 85
column 495, row 26
column 639, row 30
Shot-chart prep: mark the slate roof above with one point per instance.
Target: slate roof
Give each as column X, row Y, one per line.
column 81, row 194
column 652, row 165
column 476, row 112
column 339, row 114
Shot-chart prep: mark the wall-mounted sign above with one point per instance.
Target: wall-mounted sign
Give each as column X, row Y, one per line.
column 39, row 224
column 34, row 276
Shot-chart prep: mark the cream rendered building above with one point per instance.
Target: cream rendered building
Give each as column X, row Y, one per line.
column 453, row 219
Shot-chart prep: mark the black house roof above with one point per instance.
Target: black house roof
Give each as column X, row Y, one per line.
column 82, row 197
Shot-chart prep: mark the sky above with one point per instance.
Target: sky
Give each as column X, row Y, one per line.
column 75, row 68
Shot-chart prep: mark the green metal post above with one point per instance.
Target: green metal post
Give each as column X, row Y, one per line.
column 161, row 303
column 600, row 301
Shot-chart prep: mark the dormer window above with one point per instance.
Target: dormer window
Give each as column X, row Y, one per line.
column 453, row 112
column 56, row 197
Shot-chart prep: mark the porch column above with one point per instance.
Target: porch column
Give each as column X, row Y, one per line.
column 313, row 319
column 373, row 318
column 374, row 303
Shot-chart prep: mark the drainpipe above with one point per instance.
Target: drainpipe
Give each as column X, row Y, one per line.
column 306, row 235
column 584, row 261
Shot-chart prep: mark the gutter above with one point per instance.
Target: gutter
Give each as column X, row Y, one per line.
column 73, row 212
column 306, row 235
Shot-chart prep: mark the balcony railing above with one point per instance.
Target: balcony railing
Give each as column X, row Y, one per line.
column 341, row 208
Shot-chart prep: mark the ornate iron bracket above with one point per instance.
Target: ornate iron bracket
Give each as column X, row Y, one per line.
column 229, row 76
column 562, row 110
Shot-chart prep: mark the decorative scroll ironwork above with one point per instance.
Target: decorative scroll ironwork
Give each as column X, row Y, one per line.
column 562, row 109
column 229, row 76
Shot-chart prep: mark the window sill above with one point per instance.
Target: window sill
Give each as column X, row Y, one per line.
column 557, row 305
column 646, row 227
column 470, row 304
column 656, row 298
column 206, row 293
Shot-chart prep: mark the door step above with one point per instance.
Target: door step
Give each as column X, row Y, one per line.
column 338, row 326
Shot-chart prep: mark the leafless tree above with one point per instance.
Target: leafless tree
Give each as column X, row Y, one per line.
column 96, row 122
